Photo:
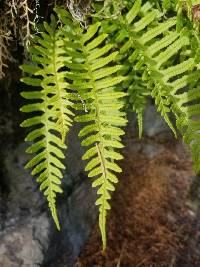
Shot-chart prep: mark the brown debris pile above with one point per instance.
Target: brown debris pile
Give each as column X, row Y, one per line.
column 149, row 223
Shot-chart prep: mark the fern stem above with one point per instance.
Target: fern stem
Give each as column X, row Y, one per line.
column 103, row 212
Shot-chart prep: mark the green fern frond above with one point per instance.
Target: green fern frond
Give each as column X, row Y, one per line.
column 96, row 82
column 166, row 59
column 153, row 52
column 137, row 36
column 51, row 111
column 168, row 62
column 47, row 147
column 137, row 98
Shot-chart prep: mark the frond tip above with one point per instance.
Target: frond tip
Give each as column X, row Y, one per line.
column 47, row 146
column 105, row 182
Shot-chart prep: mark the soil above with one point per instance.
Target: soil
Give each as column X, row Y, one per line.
column 151, row 223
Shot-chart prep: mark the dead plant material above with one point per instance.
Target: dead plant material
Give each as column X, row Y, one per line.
column 148, row 215
column 5, row 56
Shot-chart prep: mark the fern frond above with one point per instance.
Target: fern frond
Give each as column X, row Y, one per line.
column 140, row 42
column 137, row 98
column 168, row 61
column 47, row 162
column 96, row 81
column 151, row 53
column 50, row 106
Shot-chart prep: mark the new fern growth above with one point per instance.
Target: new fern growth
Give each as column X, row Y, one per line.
column 111, row 66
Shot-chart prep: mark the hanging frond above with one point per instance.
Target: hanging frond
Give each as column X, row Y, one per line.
column 50, row 106
column 95, row 78
column 137, row 98
column 168, row 61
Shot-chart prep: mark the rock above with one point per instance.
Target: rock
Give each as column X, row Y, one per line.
column 23, row 195
column 154, row 123
column 149, row 149
column 152, row 150
column 74, row 152
column 25, row 224
column 78, row 215
column 22, row 245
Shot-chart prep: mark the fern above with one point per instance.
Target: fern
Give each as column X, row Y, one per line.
column 165, row 81
column 82, row 69
column 137, row 97
column 50, row 107
column 96, row 82
column 168, row 62
column 166, row 59
column 128, row 36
